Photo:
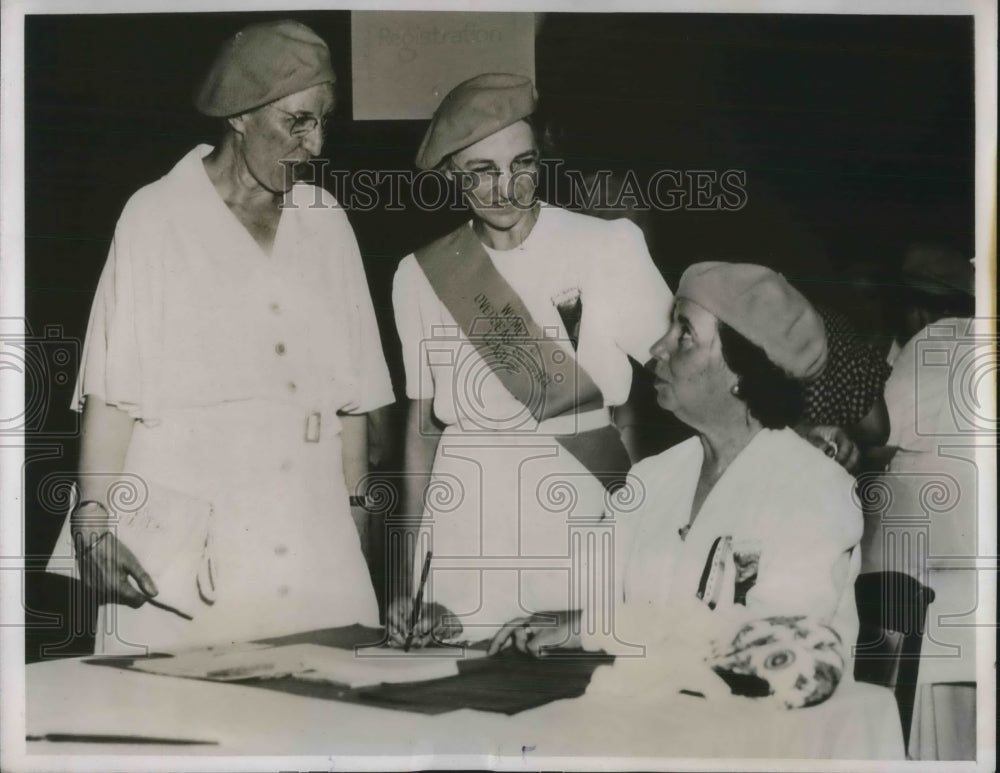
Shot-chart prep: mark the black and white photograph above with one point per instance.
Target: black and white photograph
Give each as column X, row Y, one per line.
column 463, row 386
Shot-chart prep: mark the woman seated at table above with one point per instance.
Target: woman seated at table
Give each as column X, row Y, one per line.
column 736, row 550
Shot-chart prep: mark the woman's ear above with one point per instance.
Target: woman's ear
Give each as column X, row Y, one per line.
column 238, row 122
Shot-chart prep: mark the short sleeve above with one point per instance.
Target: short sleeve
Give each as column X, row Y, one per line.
column 92, row 378
column 918, row 397
column 410, row 327
column 374, row 386
column 641, row 297
column 113, row 367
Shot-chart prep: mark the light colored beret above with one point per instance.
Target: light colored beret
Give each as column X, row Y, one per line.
column 764, row 308
column 475, row 109
column 938, row 270
column 262, row 63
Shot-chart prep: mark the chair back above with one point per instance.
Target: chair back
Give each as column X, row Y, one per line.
column 892, row 612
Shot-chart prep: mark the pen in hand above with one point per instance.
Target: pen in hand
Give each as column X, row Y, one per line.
column 167, row 608
column 415, row 612
column 155, row 602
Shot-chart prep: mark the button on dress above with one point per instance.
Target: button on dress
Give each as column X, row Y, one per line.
column 222, row 353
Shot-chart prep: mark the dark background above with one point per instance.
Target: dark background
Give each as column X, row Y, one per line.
column 856, row 134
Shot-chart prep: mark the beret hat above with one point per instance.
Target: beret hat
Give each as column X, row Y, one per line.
column 475, row 109
column 764, row 308
column 262, row 63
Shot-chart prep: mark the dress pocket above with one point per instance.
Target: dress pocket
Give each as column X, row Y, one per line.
column 171, row 536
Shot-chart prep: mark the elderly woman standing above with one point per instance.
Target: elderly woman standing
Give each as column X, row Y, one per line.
column 516, row 331
column 746, row 524
column 231, row 354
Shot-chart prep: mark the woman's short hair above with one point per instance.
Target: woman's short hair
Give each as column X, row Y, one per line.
column 448, row 164
column 773, row 397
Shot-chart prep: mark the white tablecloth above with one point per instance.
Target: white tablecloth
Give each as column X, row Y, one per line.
column 69, row 696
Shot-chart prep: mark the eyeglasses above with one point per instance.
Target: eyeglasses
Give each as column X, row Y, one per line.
column 301, row 125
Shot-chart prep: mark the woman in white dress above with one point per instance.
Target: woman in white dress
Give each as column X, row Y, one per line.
column 231, row 355
column 739, row 555
column 516, row 331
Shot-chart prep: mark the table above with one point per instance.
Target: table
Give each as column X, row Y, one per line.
column 71, row 696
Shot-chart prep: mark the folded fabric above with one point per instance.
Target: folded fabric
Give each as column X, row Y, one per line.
column 788, row 662
column 771, row 662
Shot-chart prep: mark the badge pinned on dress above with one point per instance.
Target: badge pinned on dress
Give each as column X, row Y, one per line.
column 711, row 586
column 730, row 572
column 746, row 558
column 570, row 306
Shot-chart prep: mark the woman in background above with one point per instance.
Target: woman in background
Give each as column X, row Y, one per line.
column 845, row 413
column 922, row 501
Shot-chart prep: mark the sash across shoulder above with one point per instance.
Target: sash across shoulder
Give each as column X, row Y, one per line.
column 534, row 367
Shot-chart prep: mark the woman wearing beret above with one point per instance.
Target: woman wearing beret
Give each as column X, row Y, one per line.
column 231, row 355
column 516, row 331
column 742, row 554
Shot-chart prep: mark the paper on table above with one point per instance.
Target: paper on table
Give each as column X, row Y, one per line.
column 327, row 664
column 212, row 662
column 309, row 662
column 456, row 651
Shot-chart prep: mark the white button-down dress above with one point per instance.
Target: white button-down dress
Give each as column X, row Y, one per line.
column 235, row 364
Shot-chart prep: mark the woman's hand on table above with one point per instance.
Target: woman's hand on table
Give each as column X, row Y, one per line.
column 106, row 565
column 435, row 623
column 540, row 632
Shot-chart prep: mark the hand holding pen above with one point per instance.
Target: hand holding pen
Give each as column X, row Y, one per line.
column 108, row 567
column 113, row 572
column 418, row 603
column 413, row 623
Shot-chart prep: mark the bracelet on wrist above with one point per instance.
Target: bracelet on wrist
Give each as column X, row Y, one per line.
column 358, row 501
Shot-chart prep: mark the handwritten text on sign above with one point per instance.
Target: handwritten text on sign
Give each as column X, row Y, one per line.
column 404, row 62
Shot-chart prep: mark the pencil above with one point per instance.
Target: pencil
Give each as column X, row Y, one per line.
column 168, row 608
column 415, row 612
